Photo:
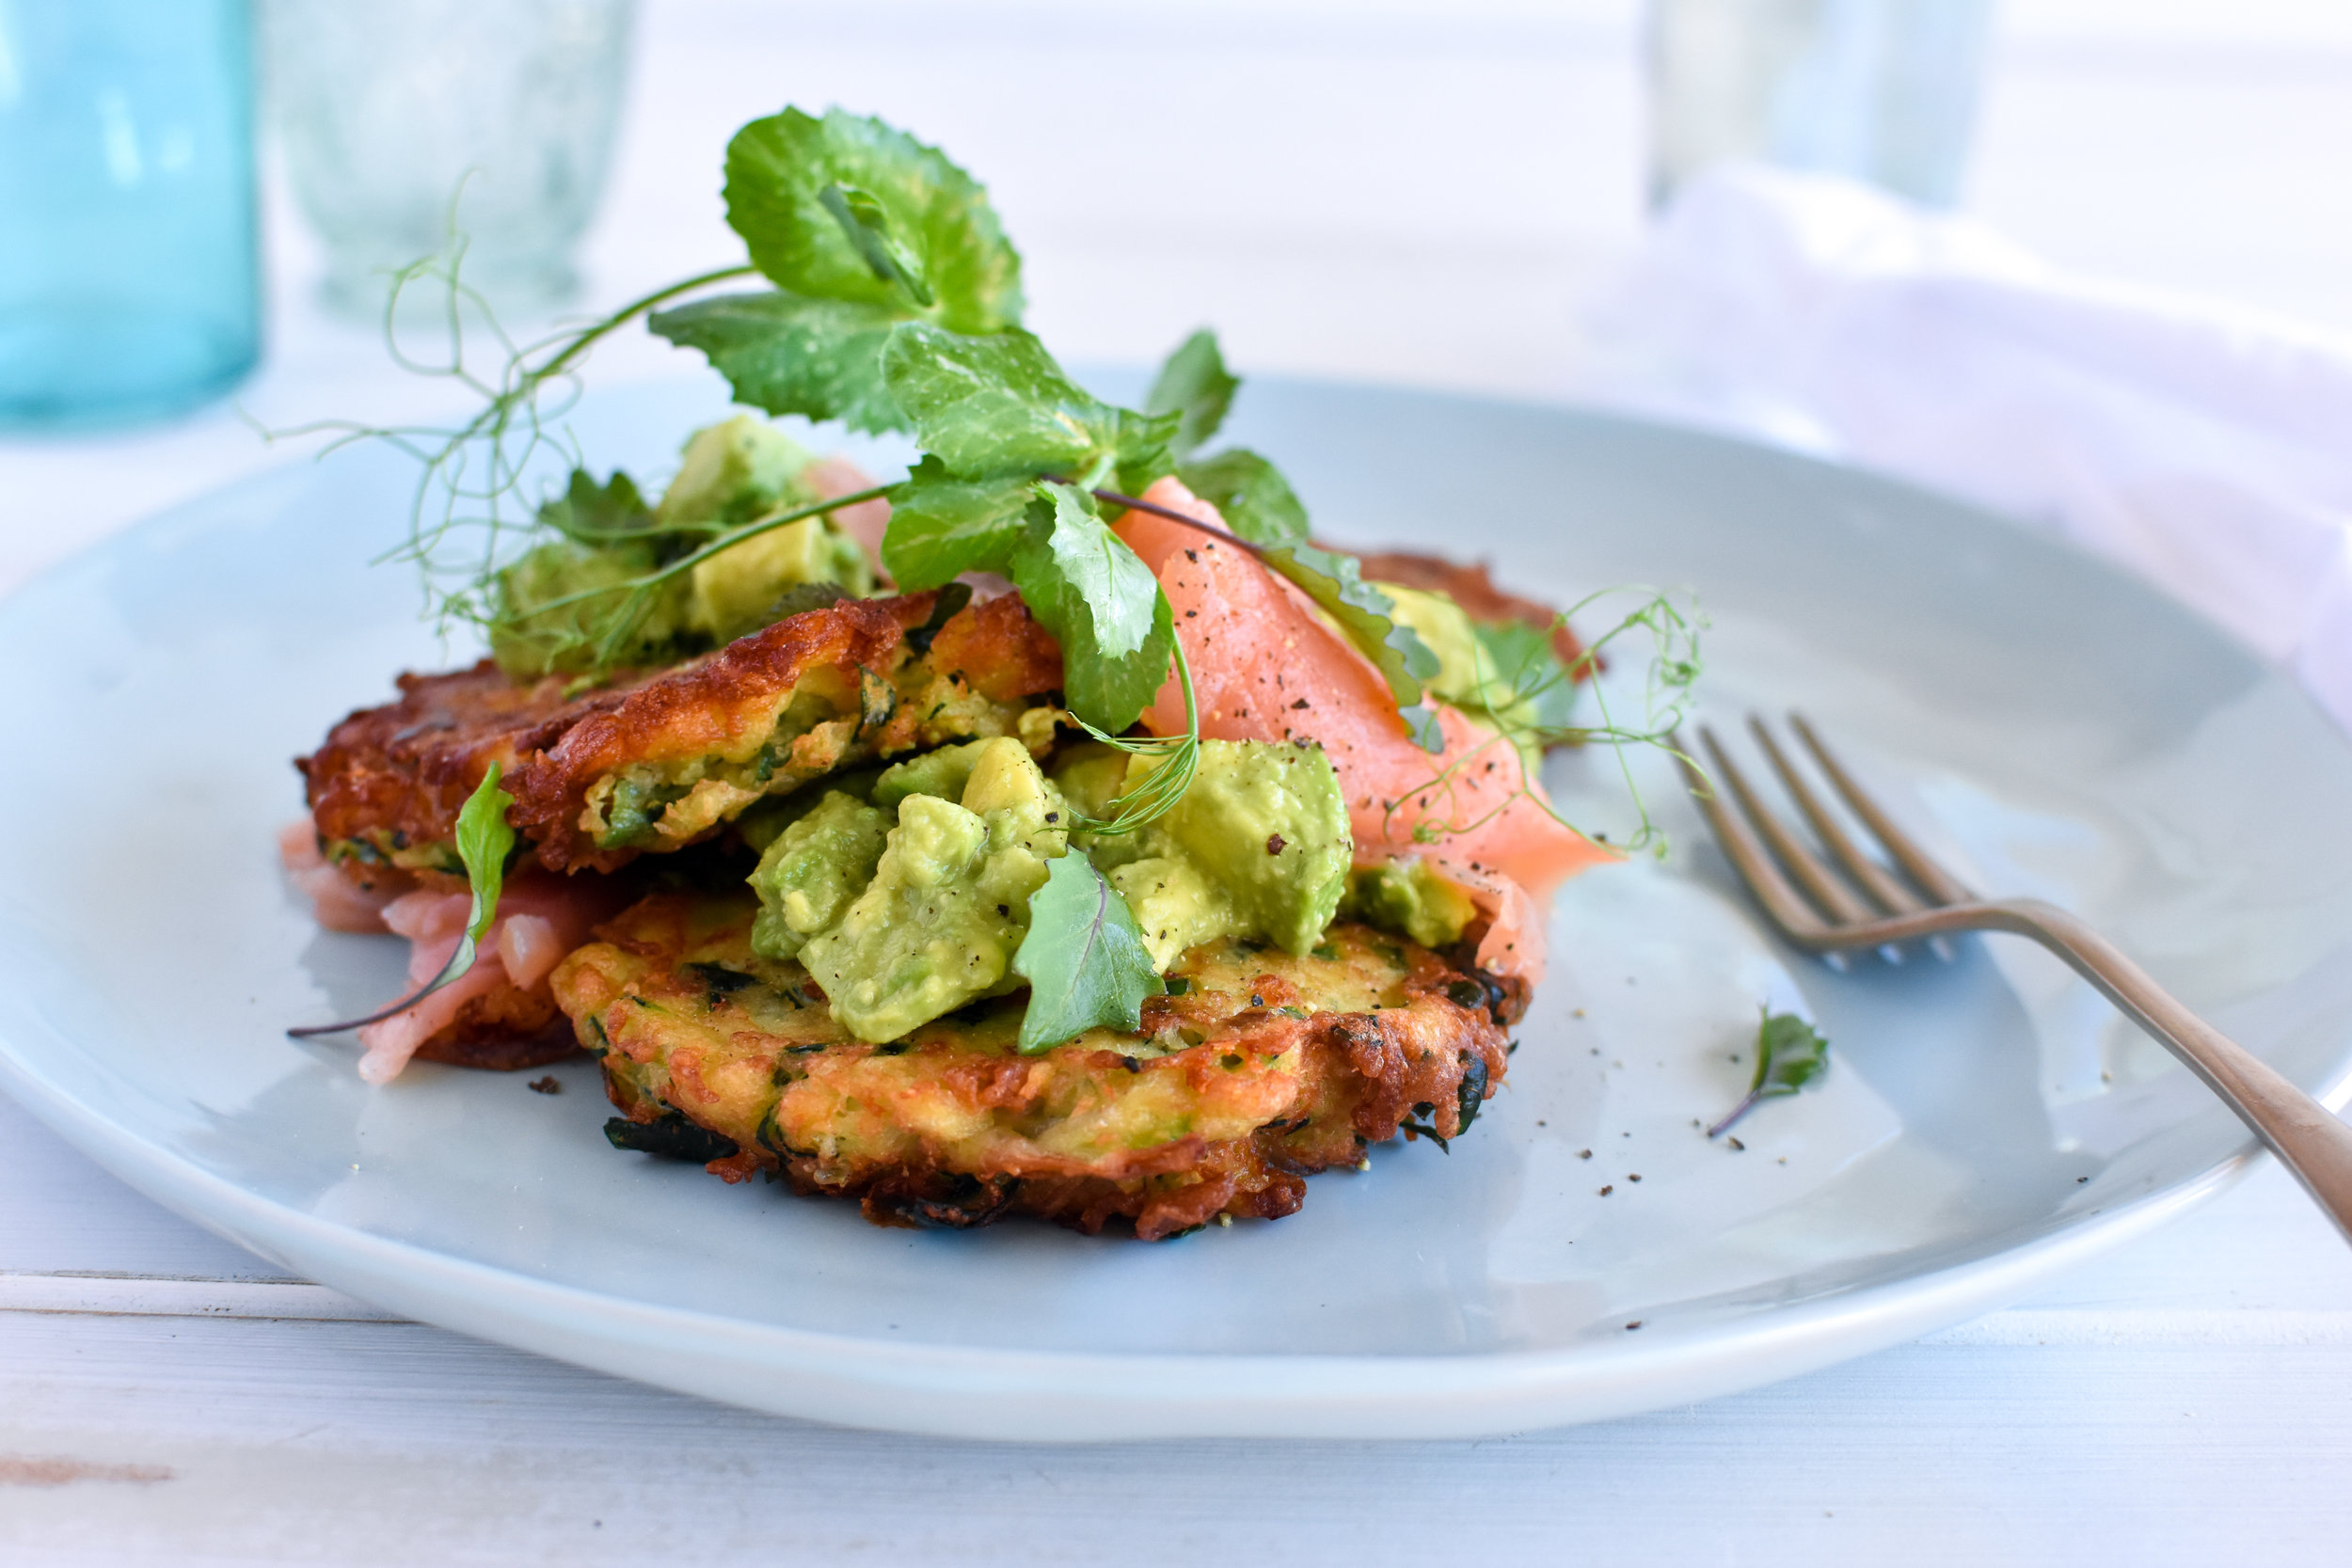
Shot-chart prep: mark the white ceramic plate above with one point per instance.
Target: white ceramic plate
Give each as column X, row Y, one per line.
column 2047, row 725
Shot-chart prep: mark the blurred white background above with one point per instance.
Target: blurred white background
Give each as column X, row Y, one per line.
column 1424, row 191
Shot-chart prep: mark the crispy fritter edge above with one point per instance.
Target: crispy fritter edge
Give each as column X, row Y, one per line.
column 405, row 770
column 1420, row 1069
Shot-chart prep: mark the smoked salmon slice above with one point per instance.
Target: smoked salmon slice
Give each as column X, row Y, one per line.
column 1267, row 666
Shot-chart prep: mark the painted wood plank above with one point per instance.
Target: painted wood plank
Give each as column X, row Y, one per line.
column 112, row 1295
column 380, row 1443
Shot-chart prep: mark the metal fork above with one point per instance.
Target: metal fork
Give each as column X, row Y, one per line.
column 1870, row 907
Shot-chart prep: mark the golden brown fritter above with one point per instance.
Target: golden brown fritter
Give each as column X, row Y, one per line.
column 1262, row 1070
column 658, row 760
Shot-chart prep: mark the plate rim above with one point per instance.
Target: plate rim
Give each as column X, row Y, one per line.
column 990, row 1392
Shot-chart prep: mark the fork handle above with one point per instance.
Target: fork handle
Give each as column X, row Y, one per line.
column 2307, row 1137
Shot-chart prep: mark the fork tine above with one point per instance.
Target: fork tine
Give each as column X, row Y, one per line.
column 1891, row 896
column 1834, row 898
column 1933, row 878
column 1788, row 910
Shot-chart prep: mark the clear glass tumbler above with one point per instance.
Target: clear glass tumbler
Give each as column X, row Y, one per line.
column 403, row 118
column 130, row 283
column 1883, row 91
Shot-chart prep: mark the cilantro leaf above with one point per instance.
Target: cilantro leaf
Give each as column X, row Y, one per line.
column 1194, row 385
column 1252, row 495
column 941, row 527
column 1110, row 576
column 483, row 841
column 1084, row 959
column 997, row 404
column 1789, row 1054
column 790, row 354
column 1101, row 602
column 848, row 207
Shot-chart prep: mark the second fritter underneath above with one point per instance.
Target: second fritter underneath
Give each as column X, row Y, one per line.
column 1258, row 1071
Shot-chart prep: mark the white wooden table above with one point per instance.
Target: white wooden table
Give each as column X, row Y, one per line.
column 1421, row 191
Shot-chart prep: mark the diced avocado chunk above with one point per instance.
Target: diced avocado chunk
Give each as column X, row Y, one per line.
column 560, row 600
column 764, row 821
column 812, row 872
column 733, row 473
column 738, row 591
column 1269, row 823
column 1467, row 674
column 1409, row 896
column 948, row 903
column 1091, row 777
column 1175, row 904
column 943, row 773
column 1264, row 831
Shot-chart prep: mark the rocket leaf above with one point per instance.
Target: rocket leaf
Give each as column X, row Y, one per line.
column 483, row 841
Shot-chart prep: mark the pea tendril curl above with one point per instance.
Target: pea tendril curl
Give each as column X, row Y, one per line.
column 470, row 477
column 1674, row 668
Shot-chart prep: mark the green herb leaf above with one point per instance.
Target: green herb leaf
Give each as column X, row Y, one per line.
column 1140, row 448
column 993, row 406
column 790, row 354
column 1789, row 1054
column 941, row 527
column 591, row 514
column 1115, row 584
column 905, row 229
column 1195, row 386
column 868, row 226
column 1084, row 959
column 483, row 841
column 1256, row 502
column 1101, row 604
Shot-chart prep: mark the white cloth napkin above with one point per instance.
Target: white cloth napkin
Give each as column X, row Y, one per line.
column 2207, row 446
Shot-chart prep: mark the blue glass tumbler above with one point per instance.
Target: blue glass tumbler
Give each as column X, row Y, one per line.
column 130, row 281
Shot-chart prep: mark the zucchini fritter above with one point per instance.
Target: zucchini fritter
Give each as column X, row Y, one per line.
column 658, row 760
column 1262, row 1070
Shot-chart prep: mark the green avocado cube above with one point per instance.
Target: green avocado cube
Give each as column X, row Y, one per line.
column 1266, row 823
